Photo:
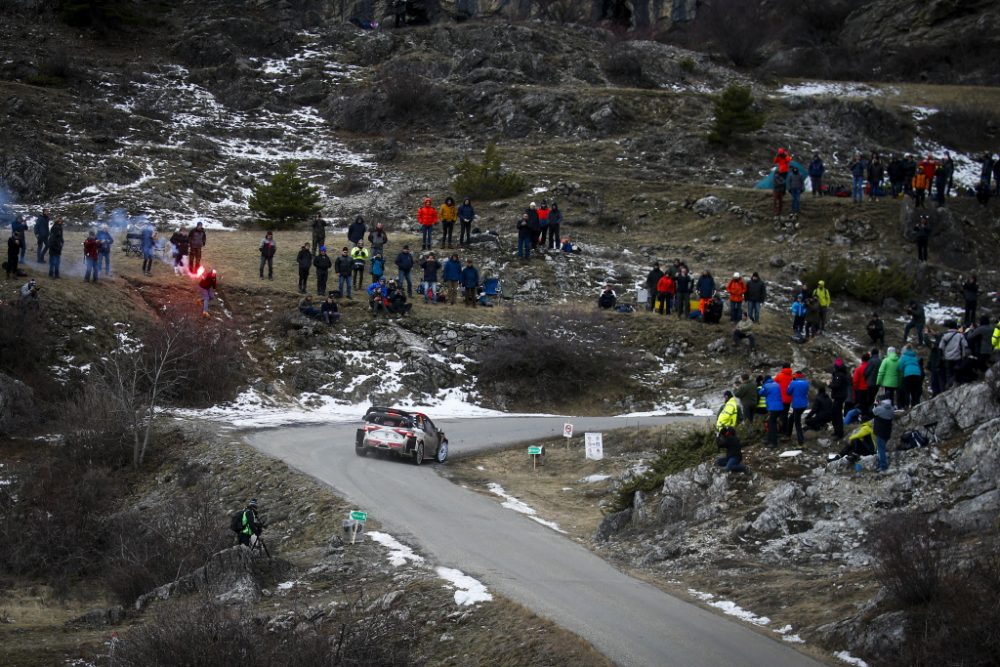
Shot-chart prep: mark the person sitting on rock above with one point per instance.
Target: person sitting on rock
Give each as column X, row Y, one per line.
column 821, row 412
column 860, row 443
column 397, row 300
column 329, row 310
column 608, row 299
column 729, row 441
column 876, row 330
column 742, row 330
column 307, row 308
column 377, row 297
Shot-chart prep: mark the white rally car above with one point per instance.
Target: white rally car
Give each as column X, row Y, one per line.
column 406, row 434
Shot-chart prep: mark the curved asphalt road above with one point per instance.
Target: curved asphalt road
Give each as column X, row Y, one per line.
column 631, row 622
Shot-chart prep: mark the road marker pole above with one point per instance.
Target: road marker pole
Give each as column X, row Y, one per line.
column 535, row 451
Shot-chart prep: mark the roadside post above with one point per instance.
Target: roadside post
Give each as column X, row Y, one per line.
column 535, row 451
column 355, row 523
column 567, row 433
column 594, row 446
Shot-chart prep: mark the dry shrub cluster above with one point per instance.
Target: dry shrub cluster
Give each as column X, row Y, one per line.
column 200, row 634
column 951, row 608
column 216, row 367
column 25, row 343
column 553, row 356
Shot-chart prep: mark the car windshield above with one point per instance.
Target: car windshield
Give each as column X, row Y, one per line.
column 394, row 421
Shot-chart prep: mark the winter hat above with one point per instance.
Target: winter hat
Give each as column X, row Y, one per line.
column 532, row 204
column 727, row 394
column 252, row 503
column 838, row 363
column 891, row 350
column 322, row 248
column 822, row 283
column 736, row 275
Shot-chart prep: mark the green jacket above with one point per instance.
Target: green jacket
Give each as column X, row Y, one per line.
column 888, row 372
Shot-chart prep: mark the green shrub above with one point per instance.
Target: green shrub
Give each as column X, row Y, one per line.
column 836, row 276
column 285, row 199
column 734, row 116
column 687, row 451
column 488, row 179
column 867, row 284
column 687, row 64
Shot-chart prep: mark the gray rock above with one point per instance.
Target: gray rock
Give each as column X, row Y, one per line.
column 228, row 575
column 17, row 405
column 959, row 409
column 776, row 261
column 99, row 617
column 612, row 523
column 710, row 206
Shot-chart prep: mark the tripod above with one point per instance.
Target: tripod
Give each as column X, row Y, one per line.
column 257, row 544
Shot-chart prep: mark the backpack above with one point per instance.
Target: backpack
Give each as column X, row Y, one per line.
column 236, row 522
column 911, row 440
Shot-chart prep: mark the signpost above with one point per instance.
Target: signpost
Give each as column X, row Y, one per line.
column 594, row 446
column 357, row 520
column 567, row 433
column 535, row 451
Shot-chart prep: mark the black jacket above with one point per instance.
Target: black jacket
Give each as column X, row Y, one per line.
column 404, row 260
column 822, row 408
column 356, row 232
column 652, row 278
column 756, row 290
column 840, row 382
column 733, row 447
column 304, row 259
column 322, row 263
column 42, row 227
column 344, row 265
column 56, row 240
column 684, row 284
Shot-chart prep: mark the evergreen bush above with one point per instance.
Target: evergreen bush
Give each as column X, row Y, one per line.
column 734, row 116
column 285, row 199
column 488, row 180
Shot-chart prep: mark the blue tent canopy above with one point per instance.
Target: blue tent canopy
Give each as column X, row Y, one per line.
column 767, row 182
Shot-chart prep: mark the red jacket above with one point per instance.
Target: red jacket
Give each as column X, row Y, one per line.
column 858, row 379
column 782, row 160
column 90, row 248
column 736, row 288
column 427, row 216
column 665, row 285
column 784, row 378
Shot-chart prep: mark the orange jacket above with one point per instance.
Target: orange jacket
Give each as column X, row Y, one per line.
column 736, row 288
column 447, row 213
column 784, row 378
column 927, row 168
column 427, row 216
column 783, row 160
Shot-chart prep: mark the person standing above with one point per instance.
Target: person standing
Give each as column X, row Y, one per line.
column 954, row 349
column 355, row 231
column 746, row 393
column 524, row 237
column 816, row 171
column 941, row 180
column 918, row 320
column 470, row 283
column 105, row 241
column 784, row 378
column 736, row 289
column 207, row 285
column 378, row 238
column 91, row 248
column 706, row 290
column 56, row 243
column 179, row 241
column 876, row 172
column 323, row 264
column 859, row 169
column 249, row 524
column 922, row 233
column 448, row 215
column 197, row 239
column 888, row 374
column 665, row 291
column 431, row 267
column 782, row 161
column 909, row 173
column 377, row 268
column 543, row 225
column 771, row 391
column 148, row 243
column 534, row 225
column 42, row 225
column 343, row 267
column 404, row 262
column 822, row 295
column 860, row 386
column 895, row 172
column 466, row 214
column 427, row 216
column 13, row 254
column 684, row 285
column 652, row 280
column 840, row 383
column 359, row 258
column 20, row 227
column 970, row 295
column 304, row 261
column 796, row 186
column 755, row 296
column 882, row 417
column 555, row 220
column 798, row 389
column 452, row 276
column 319, row 233
column 911, row 378
column 267, row 250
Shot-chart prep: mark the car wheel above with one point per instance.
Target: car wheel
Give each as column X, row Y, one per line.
column 361, row 451
column 442, row 453
column 418, row 453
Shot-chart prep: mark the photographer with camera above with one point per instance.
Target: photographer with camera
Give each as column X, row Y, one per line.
column 246, row 523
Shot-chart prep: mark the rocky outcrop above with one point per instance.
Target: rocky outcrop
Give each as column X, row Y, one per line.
column 229, row 576
column 17, row 406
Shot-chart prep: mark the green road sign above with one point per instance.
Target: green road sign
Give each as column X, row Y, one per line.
column 359, row 516
column 535, row 451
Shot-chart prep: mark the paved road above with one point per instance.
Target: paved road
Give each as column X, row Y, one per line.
column 631, row 622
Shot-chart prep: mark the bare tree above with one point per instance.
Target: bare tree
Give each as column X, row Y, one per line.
column 138, row 376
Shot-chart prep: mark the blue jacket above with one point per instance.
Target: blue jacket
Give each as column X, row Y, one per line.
column 147, row 237
column 798, row 389
column 771, row 391
column 909, row 365
column 378, row 267
column 106, row 241
column 466, row 212
column 816, row 168
column 404, row 261
column 452, row 270
column 706, row 287
column 798, row 308
column 470, row 277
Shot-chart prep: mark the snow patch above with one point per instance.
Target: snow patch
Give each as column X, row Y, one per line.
column 730, row 608
column 844, row 656
column 468, row 591
column 789, row 453
column 593, row 479
column 831, row 89
column 512, row 503
column 399, row 553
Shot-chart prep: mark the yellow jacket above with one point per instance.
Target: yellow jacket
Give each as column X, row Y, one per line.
column 730, row 414
column 996, row 337
column 448, row 213
column 822, row 295
column 359, row 253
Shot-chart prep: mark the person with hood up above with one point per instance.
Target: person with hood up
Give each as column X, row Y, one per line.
column 56, row 243
column 323, row 264
column 555, row 220
column 652, row 280
column 882, row 417
column 755, row 296
column 684, row 284
column 466, row 214
column 911, row 376
column 888, row 375
column 42, row 225
column 816, row 170
column 304, row 261
column 771, row 391
column 736, row 289
column 356, row 231
column 706, row 290
column 822, row 295
column 427, row 217
column 378, row 238
column 13, row 255
column 452, row 275
column 319, row 233
column 796, row 186
column 729, row 416
column 840, row 384
column 798, row 390
column 448, row 215
column 782, row 162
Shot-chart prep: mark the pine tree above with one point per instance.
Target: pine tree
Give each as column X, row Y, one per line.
column 488, row 180
column 285, row 199
column 734, row 116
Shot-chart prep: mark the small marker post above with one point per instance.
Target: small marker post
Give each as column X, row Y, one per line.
column 535, row 451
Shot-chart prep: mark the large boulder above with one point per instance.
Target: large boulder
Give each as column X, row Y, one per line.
column 17, row 405
column 958, row 409
column 229, row 576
